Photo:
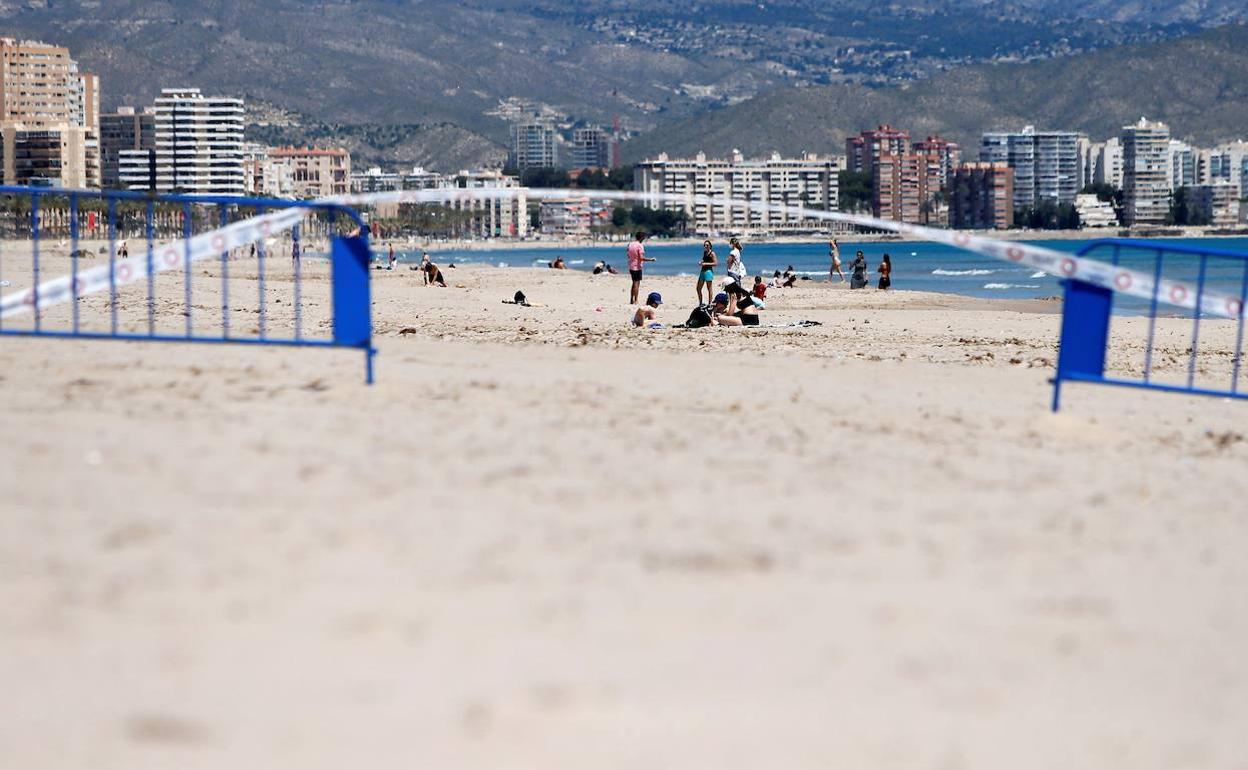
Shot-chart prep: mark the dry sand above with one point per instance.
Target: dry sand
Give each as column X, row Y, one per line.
column 546, row 540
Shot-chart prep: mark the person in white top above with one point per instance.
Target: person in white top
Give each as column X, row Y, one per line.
column 736, row 266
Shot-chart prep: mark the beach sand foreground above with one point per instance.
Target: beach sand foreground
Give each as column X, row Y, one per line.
column 547, row 540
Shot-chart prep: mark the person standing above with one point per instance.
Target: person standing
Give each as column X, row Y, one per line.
column 834, row 253
column 393, row 258
column 706, row 272
column 858, row 272
column 886, row 272
column 636, row 259
column 736, row 265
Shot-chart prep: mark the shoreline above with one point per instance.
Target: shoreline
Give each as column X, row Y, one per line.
column 555, row 244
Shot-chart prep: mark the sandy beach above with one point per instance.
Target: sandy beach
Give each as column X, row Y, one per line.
column 545, row 539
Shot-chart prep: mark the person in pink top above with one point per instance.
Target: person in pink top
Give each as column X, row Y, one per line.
column 636, row 258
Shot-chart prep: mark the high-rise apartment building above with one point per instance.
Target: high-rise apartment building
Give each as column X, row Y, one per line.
column 1146, row 173
column 862, row 152
column 981, row 197
column 591, row 148
column 49, row 115
column 904, row 189
column 809, row 181
column 532, row 145
column 199, row 146
column 1108, row 160
column 126, row 129
column 1046, row 163
column 1181, row 160
column 949, row 153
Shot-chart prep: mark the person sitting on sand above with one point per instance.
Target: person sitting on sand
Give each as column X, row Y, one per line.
column 558, row 264
column 734, row 308
column 760, row 288
column 612, row 270
column 858, row 274
column 432, row 275
column 790, row 278
column 706, row 271
column 600, row 267
column 649, row 312
column 886, row 273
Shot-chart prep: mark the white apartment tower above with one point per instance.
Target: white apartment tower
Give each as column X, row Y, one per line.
column 1146, row 172
column 1046, row 163
column 199, row 146
column 532, row 144
column 809, row 181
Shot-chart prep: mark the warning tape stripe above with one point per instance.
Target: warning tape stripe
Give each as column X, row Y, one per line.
column 1132, row 282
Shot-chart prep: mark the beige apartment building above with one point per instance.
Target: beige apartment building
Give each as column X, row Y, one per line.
column 49, row 117
column 314, row 173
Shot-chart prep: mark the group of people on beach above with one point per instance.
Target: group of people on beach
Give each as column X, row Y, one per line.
column 858, row 268
column 735, row 304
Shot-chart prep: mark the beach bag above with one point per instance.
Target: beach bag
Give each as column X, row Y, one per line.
column 701, row 316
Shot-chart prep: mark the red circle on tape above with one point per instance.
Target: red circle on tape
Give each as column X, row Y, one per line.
column 218, row 242
column 170, row 256
column 30, row 298
column 1123, row 281
column 1069, row 266
column 124, row 272
column 961, row 239
column 1014, row 253
column 1178, row 293
column 266, row 227
column 1234, row 307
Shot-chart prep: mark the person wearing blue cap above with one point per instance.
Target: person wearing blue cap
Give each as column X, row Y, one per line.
column 649, row 312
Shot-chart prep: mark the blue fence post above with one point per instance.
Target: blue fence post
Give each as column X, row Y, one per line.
column 352, row 296
column 1085, row 335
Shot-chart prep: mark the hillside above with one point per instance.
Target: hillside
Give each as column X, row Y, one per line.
column 1198, row 84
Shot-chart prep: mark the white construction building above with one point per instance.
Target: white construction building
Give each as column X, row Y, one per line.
column 199, row 146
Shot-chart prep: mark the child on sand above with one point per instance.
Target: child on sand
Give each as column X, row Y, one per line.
column 886, row 272
column 648, row 313
column 760, row 288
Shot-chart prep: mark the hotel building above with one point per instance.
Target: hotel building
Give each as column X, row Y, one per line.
column 1146, row 173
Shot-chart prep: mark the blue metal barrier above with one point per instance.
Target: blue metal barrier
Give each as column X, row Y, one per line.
column 1088, row 310
column 176, row 233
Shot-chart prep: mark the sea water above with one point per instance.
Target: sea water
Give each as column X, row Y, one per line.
column 917, row 266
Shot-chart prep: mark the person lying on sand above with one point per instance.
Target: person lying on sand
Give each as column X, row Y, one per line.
column 558, row 264
column 649, row 312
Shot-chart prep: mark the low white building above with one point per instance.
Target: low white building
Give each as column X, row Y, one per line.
column 1094, row 212
column 1218, row 203
column 566, row 217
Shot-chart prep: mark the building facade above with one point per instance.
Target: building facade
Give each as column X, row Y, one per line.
column 566, row 217
column 199, row 146
column 906, row 188
column 1218, row 204
column 1146, row 173
column 1108, row 168
column 981, row 197
column 126, row 129
column 1046, row 163
column 949, row 153
column 591, row 148
column 1094, row 212
column 810, row 181
column 532, row 145
column 313, row 172
column 863, row 152
column 49, row 117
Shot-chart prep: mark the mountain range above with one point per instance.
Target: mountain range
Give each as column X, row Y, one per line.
column 414, row 80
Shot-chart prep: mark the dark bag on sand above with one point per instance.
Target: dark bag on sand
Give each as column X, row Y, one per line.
column 701, row 316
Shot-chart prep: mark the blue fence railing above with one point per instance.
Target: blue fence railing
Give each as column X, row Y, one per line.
column 124, row 265
column 1175, row 356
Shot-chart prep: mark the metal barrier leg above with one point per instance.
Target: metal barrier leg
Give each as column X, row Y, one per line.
column 1085, row 334
column 352, row 296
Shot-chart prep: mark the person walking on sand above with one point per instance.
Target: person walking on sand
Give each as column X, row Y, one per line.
column 834, row 253
column 393, row 258
column 706, row 272
column 858, row 272
column 886, row 272
column 736, row 265
column 636, row 259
